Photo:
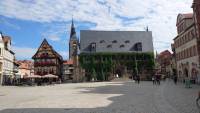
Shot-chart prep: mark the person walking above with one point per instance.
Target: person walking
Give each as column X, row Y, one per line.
column 153, row 79
column 137, row 79
column 158, row 77
column 175, row 79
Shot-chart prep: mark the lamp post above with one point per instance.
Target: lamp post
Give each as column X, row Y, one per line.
column 136, row 68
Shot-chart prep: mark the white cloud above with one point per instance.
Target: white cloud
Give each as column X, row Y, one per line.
column 55, row 31
column 24, row 52
column 159, row 15
column 54, row 38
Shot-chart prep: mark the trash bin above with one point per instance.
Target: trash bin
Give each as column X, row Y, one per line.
column 187, row 83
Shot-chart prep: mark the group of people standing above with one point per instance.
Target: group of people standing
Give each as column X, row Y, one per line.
column 137, row 79
column 156, row 79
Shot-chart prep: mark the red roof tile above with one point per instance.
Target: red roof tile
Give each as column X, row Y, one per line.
column 6, row 39
column 68, row 62
column 25, row 64
column 188, row 15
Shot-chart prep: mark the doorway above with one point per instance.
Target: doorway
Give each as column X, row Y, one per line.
column 186, row 72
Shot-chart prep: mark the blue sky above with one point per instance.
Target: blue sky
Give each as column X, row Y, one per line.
column 28, row 22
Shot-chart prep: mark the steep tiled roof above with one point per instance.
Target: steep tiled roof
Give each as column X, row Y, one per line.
column 54, row 52
column 188, row 15
column 165, row 53
column 25, row 64
column 115, row 41
column 6, row 39
column 184, row 16
column 68, row 62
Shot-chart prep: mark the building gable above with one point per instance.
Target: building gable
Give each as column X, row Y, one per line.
column 45, row 50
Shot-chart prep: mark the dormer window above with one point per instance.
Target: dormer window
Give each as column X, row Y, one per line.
column 109, row 46
column 138, row 46
column 114, row 41
column 121, row 46
column 127, row 41
column 102, row 41
column 93, row 47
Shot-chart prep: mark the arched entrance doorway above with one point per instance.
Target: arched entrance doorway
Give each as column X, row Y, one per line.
column 119, row 71
column 186, row 72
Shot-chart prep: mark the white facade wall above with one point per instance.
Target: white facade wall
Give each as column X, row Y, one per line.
column 6, row 61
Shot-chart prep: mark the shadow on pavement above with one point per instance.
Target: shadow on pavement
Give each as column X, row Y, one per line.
column 133, row 98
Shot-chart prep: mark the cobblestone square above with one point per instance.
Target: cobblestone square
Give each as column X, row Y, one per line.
column 100, row 97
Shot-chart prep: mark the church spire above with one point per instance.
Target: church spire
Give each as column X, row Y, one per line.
column 73, row 31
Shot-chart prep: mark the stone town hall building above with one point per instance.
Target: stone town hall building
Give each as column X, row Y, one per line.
column 133, row 47
column 187, row 43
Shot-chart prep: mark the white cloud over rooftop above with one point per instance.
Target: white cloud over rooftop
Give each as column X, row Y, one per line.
column 159, row 15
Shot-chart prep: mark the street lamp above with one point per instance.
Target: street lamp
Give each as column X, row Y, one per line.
column 136, row 68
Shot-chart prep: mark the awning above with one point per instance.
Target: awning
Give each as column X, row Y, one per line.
column 50, row 76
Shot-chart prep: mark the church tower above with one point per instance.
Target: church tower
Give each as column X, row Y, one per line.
column 73, row 42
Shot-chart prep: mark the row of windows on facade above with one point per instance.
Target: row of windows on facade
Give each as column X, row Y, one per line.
column 181, row 27
column 185, row 38
column 7, row 65
column 44, row 54
column 45, row 60
column 123, row 57
column 189, row 52
column 6, row 54
column 45, row 70
column 136, row 47
column 114, row 41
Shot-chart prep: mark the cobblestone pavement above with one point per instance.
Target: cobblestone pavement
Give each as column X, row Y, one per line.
column 100, row 97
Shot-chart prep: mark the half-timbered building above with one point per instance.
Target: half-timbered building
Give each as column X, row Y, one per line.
column 47, row 60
